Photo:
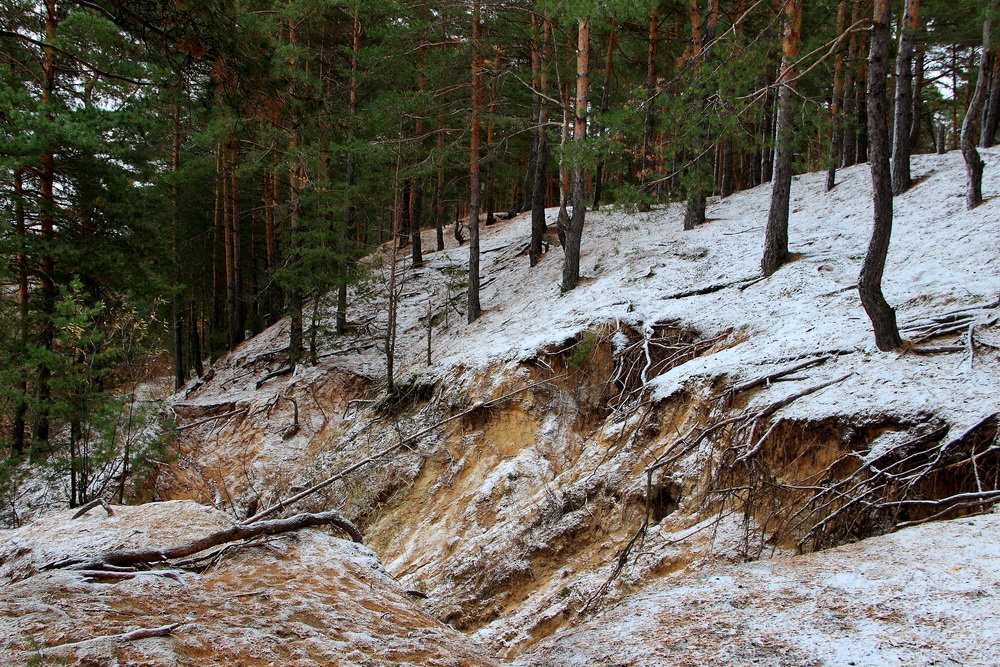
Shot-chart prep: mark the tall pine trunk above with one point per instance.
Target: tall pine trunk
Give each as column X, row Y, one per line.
column 574, row 232
column 47, row 211
column 475, row 149
column 18, row 423
column 540, row 56
column 776, row 234
column 603, row 109
column 836, row 103
column 918, row 97
column 649, row 116
column 973, row 162
column 904, row 98
column 701, row 168
column 991, row 110
column 882, row 315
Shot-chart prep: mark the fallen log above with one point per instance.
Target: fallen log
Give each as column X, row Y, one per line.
column 151, row 555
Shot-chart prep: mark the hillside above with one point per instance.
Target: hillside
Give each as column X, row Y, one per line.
column 663, row 423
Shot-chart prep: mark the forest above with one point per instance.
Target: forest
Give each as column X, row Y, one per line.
column 177, row 176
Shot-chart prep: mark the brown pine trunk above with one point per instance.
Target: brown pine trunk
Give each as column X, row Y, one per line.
column 294, row 295
column 973, row 162
column 882, row 315
column 475, row 148
column 603, row 109
column 438, row 203
column 837, row 101
column 195, row 340
column 918, row 98
column 991, row 109
column 46, row 283
column 904, row 98
column 649, row 126
column 776, row 234
column 702, row 170
column 350, row 174
column 18, row 424
column 540, row 59
column 416, row 204
column 574, row 231
column 180, row 376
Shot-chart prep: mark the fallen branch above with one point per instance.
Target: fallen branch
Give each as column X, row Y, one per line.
column 209, row 419
column 96, row 502
column 115, row 575
column 142, row 633
column 388, row 450
column 938, row 349
column 770, row 377
column 273, row 374
column 708, row 289
column 147, row 556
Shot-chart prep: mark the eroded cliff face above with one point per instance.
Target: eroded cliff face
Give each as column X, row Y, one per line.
column 672, row 417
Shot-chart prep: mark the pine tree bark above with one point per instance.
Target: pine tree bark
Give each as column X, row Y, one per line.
column 180, row 376
column 474, row 308
column 882, row 315
column 701, row 168
column 294, row 293
column 904, row 98
column 603, row 108
column 416, row 217
column 574, row 231
column 438, row 204
column 776, row 234
column 991, row 112
column 649, row 116
column 18, row 422
column 918, row 97
column 836, row 103
column 973, row 162
column 540, row 60
column 350, row 172
column 47, row 214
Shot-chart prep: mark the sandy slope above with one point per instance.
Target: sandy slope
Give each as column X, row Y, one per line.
column 304, row 598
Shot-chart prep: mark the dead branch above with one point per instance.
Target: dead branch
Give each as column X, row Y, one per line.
column 96, row 502
column 708, row 289
column 273, row 374
column 142, row 633
column 770, row 377
column 838, row 291
column 209, row 419
column 390, row 449
column 244, row 531
column 938, row 349
column 777, row 405
column 115, row 575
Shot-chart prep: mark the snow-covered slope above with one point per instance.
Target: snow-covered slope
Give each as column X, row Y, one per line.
column 634, row 455
column 922, row 596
